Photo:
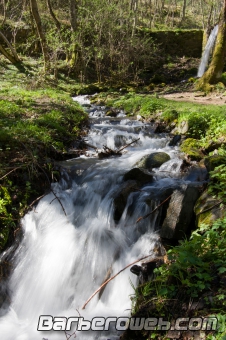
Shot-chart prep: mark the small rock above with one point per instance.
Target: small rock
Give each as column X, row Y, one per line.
column 153, row 160
column 175, row 140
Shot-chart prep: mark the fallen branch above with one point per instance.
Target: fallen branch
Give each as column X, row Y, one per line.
column 143, row 217
column 111, row 278
column 134, row 141
column 36, row 200
column 19, row 167
column 109, row 152
column 208, row 209
column 91, row 146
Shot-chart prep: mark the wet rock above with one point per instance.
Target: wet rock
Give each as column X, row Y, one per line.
column 175, row 140
column 213, row 161
column 138, row 175
column 121, row 196
column 112, row 113
column 208, row 209
column 153, row 160
column 180, row 213
column 135, row 269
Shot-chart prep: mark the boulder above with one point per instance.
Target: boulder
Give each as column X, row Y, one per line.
column 141, row 176
column 183, row 127
column 208, row 209
column 153, row 160
column 121, row 196
column 112, row 113
column 180, row 213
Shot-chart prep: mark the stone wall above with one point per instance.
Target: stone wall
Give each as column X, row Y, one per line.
column 186, row 43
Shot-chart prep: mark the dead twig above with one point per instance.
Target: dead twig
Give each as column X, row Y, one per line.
column 19, row 167
column 208, row 209
column 91, row 146
column 112, row 278
column 36, row 200
column 143, row 217
column 134, row 141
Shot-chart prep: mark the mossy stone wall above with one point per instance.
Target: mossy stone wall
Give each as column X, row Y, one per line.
column 186, row 43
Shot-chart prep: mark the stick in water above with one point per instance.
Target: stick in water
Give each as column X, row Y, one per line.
column 143, row 217
column 111, row 278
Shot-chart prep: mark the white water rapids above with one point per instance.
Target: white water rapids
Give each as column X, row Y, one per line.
column 62, row 259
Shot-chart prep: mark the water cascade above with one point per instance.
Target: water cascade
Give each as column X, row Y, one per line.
column 62, row 259
column 206, row 53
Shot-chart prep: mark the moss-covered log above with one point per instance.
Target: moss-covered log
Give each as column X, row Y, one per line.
column 214, row 72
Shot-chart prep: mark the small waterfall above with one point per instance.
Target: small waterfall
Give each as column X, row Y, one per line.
column 207, row 51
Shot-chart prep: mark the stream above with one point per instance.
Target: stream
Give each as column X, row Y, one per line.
column 63, row 259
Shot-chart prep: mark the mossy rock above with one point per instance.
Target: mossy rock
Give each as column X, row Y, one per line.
column 212, row 162
column 153, row 160
column 191, row 147
column 203, row 211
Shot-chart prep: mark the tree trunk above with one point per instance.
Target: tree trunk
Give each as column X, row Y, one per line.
column 214, row 72
column 58, row 25
column 74, row 14
column 37, row 19
column 14, row 57
column 8, row 55
column 4, row 12
column 184, row 10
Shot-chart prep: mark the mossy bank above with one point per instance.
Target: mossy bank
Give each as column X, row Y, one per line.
column 39, row 123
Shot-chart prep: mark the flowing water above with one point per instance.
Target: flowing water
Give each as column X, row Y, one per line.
column 62, row 259
column 206, row 53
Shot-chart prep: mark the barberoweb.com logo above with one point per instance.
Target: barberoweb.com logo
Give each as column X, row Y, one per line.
column 50, row 323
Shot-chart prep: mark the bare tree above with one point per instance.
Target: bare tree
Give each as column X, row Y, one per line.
column 58, row 25
column 74, row 14
column 41, row 34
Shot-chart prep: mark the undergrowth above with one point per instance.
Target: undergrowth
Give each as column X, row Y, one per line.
column 195, row 271
column 38, row 124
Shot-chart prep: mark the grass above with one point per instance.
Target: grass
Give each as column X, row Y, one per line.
column 38, row 124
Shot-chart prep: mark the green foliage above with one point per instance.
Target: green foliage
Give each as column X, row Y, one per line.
column 35, row 126
column 193, row 266
column 5, row 215
column 217, row 186
column 170, row 115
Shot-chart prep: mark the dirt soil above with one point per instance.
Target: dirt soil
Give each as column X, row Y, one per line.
column 197, row 97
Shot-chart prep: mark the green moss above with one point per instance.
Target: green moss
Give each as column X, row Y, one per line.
column 191, row 147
